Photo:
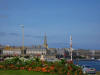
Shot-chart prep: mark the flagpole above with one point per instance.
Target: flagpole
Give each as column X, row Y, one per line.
column 22, row 39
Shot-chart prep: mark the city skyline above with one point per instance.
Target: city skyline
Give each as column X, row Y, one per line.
column 58, row 19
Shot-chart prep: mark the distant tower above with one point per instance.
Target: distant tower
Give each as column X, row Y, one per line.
column 93, row 54
column 71, row 47
column 45, row 41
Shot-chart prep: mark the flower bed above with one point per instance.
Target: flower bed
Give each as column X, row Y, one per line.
column 34, row 64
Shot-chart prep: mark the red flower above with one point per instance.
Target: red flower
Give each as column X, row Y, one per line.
column 51, row 67
column 1, row 66
column 44, row 69
column 30, row 69
column 22, row 68
column 68, row 73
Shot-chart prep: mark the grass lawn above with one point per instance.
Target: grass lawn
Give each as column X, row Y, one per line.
column 21, row 72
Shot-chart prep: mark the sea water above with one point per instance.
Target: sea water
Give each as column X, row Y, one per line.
column 92, row 63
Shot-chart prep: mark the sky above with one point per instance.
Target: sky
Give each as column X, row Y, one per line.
column 57, row 18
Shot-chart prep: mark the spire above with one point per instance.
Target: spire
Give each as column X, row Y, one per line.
column 45, row 41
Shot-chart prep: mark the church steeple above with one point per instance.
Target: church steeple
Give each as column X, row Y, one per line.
column 45, row 41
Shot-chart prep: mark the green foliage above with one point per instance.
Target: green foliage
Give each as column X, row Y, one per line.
column 63, row 61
